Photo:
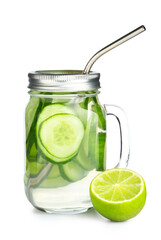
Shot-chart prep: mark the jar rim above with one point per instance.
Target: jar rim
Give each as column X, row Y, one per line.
column 61, row 95
column 63, row 80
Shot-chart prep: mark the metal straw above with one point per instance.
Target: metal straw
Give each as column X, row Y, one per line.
column 111, row 46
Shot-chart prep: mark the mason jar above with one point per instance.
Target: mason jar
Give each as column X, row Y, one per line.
column 66, row 139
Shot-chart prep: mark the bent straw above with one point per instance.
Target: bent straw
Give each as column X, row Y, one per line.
column 109, row 47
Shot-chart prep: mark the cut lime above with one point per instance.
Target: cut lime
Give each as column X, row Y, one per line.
column 118, row 194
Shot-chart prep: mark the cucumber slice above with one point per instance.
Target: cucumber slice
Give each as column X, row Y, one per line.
column 51, row 110
column 87, row 153
column 31, row 142
column 96, row 107
column 53, row 182
column 61, row 136
column 54, row 172
column 34, row 156
column 30, row 113
column 54, row 179
column 84, row 160
column 32, row 153
column 101, row 149
column 34, row 168
column 81, row 110
column 41, row 159
column 47, row 112
column 101, row 135
column 72, row 171
column 91, row 134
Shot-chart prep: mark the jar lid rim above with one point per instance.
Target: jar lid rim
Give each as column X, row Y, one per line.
column 63, row 80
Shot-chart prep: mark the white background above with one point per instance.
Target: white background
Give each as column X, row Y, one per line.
column 62, row 34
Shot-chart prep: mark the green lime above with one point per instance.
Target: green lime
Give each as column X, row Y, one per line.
column 118, row 194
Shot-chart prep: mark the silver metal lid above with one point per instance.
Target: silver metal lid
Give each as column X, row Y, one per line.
column 63, row 81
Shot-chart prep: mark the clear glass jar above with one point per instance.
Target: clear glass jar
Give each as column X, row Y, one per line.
column 66, row 140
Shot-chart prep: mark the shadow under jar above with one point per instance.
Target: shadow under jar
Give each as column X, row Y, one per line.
column 66, row 139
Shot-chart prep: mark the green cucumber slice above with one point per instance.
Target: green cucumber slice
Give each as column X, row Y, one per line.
column 32, row 169
column 101, row 150
column 54, row 172
column 81, row 110
column 47, row 112
column 41, row 159
column 30, row 113
column 51, row 110
column 84, row 160
column 53, row 182
column 54, row 179
column 97, row 108
column 91, row 134
column 61, row 136
column 101, row 135
column 87, row 153
column 32, row 152
column 31, row 142
column 72, row 171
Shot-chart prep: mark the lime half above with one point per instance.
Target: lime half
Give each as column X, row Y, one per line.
column 118, row 194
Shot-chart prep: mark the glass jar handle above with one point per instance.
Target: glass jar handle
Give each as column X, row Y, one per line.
column 119, row 114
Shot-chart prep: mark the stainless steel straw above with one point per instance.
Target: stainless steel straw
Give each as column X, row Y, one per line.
column 113, row 45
